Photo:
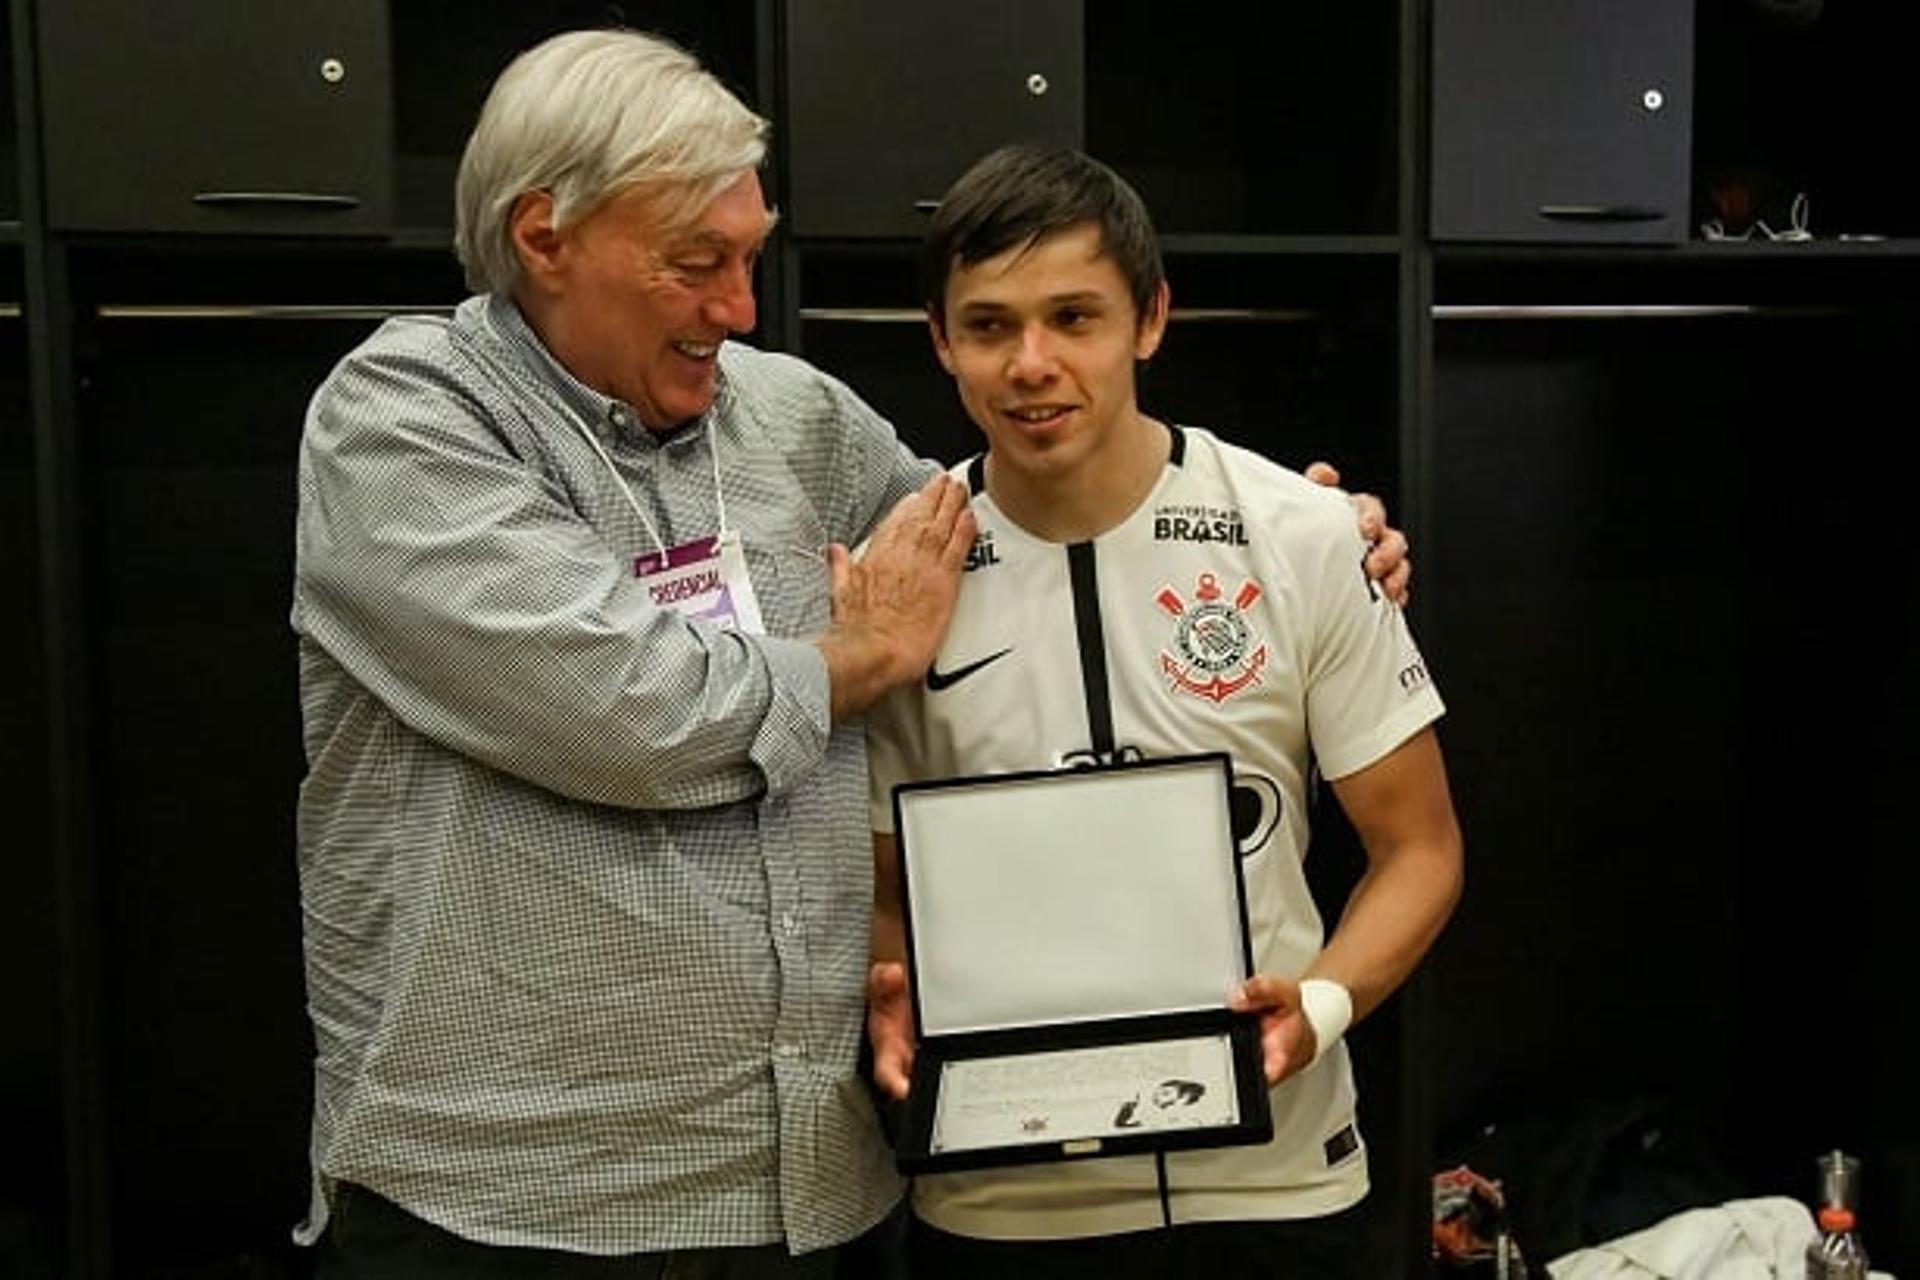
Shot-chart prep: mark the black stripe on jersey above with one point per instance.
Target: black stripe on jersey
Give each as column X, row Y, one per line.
column 1093, row 647
column 977, row 475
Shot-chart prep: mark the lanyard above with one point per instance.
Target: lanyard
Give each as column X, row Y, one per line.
column 713, row 455
column 705, row 579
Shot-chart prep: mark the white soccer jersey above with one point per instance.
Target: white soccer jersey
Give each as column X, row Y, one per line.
column 1230, row 612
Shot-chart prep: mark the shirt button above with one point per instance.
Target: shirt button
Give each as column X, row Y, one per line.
column 786, row 1049
column 789, row 923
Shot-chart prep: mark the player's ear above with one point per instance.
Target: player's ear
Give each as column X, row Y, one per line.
column 937, row 330
column 1153, row 323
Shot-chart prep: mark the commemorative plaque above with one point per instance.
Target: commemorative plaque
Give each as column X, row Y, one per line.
column 1073, row 937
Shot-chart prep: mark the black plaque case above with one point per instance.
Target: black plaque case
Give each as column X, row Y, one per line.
column 1072, row 936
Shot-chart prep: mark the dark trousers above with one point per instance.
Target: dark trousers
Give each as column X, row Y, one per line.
column 1331, row 1248
column 370, row 1238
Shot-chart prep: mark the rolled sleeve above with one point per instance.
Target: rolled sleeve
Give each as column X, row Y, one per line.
column 792, row 740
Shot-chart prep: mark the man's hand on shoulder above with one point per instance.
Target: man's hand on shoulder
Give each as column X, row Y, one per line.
column 891, row 607
column 1389, row 562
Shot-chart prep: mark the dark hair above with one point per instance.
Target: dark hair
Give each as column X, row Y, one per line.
column 1022, row 194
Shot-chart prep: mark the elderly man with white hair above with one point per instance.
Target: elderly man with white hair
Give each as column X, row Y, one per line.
column 582, row 841
column 583, row 851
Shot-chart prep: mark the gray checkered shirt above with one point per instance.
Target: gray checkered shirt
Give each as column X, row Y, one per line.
column 585, row 884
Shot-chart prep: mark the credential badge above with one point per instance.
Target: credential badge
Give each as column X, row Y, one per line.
column 1214, row 654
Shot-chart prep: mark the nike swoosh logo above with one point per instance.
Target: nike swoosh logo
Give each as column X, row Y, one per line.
column 938, row 680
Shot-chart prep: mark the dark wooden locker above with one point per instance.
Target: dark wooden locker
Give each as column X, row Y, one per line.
column 195, row 734
column 1562, row 120
column 31, row 1184
column 887, row 103
column 217, row 116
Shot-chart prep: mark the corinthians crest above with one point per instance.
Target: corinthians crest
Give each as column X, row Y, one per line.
column 1214, row 654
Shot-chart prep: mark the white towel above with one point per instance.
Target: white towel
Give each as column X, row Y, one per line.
column 1760, row 1239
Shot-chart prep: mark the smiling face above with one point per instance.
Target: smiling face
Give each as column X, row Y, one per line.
column 1042, row 340
column 636, row 308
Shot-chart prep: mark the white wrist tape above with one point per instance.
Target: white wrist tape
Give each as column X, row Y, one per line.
column 1328, row 1008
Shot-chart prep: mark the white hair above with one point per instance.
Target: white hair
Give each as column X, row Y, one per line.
column 587, row 115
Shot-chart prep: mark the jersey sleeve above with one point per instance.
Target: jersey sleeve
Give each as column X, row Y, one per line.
column 1368, row 687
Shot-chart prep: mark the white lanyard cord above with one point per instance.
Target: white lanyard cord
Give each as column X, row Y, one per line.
column 713, row 455
column 586, row 433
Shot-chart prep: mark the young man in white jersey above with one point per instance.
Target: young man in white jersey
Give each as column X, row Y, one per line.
column 1139, row 589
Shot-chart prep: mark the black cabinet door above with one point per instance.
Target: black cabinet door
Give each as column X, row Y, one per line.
column 9, row 149
column 194, row 733
column 887, row 103
column 31, row 1182
column 217, row 115
column 1562, row 120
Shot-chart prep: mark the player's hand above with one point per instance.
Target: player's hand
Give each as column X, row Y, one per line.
column 1286, row 1037
column 1389, row 562
column 890, row 1027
